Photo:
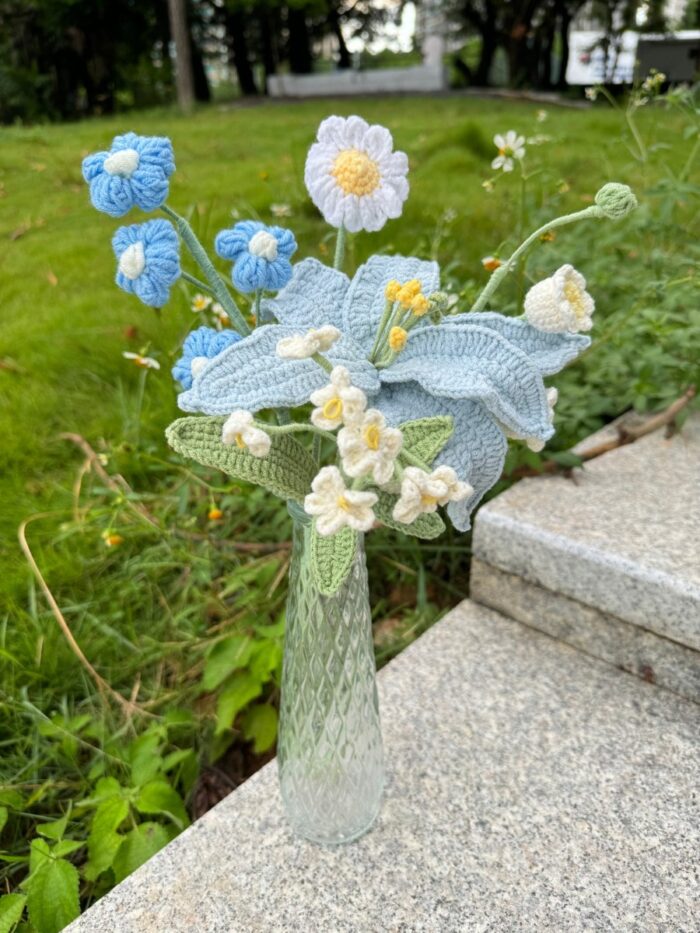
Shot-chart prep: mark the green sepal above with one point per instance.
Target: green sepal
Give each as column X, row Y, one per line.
column 428, row 525
column 425, row 437
column 287, row 470
column 331, row 558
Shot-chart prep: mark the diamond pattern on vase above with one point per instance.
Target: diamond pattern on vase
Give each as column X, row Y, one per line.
column 329, row 752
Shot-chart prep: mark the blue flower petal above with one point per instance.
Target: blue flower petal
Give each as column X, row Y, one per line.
column 162, row 261
column 476, row 450
column 232, row 243
column 92, row 165
column 250, row 375
column 313, row 297
column 365, row 301
column 476, row 363
column 204, row 341
column 548, row 352
column 146, row 186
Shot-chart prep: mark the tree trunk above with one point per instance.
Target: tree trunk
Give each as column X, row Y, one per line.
column 489, row 44
column 202, row 91
column 184, row 81
column 564, row 24
column 235, row 27
column 267, row 41
column 300, row 61
column 334, row 23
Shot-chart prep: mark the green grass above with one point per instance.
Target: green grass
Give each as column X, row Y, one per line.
column 156, row 614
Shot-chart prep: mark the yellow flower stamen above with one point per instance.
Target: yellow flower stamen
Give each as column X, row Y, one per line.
column 397, row 338
column 343, row 504
column 420, row 305
column 574, row 295
column 428, row 500
column 408, row 292
column 239, row 441
column 333, row 409
column 355, row 172
column 392, row 290
column 372, row 437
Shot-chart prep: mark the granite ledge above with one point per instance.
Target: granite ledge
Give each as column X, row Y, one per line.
column 530, row 787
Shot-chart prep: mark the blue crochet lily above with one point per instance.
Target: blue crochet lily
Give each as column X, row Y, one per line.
column 260, row 255
column 134, row 172
column 201, row 345
column 148, row 260
column 484, row 369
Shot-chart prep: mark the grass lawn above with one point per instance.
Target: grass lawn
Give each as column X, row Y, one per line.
column 156, row 614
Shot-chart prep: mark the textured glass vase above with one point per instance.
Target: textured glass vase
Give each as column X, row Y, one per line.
column 329, row 750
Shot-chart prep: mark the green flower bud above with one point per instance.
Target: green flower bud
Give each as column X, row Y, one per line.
column 615, row 200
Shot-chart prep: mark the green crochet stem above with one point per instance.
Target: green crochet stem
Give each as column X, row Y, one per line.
column 257, row 310
column 217, row 285
column 509, row 264
column 193, row 280
column 339, row 247
column 322, row 362
column 386, row 317
column 416, row 461
column 293, row 428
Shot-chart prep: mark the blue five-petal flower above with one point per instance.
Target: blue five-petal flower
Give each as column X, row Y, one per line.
column 201, row 345
column 148, row 260
column 484, row 369
column 135, row 171
column 260, row 255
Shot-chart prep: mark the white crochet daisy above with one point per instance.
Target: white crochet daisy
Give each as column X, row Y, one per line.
column 511, row 146
column 338, row 403
column 368, row 446
column 560, row 303
column 424, row 492
column 335, row 506
column 353, row 175
column 240, row 429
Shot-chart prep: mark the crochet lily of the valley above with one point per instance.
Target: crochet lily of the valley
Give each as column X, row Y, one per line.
column 365, row 399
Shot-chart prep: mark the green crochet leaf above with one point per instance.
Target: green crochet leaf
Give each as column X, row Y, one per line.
column 287, row 471
column 429, row 525
column 425, row 437
column 331, row 558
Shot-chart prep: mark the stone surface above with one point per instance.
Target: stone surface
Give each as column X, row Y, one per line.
column 652, row 657
column 621, row 538
column 530, row 788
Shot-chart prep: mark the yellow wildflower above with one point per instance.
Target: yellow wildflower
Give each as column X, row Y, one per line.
column 491, row 263
column 112, row 540
column 214, row 514
column 397, row 338
column 547, row 236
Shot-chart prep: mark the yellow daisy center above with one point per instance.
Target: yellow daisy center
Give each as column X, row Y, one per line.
column 333, row 409
column 574, row 295
column 355, row 172
column 505, row 151
column 372, row 437
column 239, row 440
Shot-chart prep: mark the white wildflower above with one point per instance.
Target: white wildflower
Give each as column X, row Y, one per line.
column 560, row 303
column 337, row 403
column 145, row 362
column 335, row 506
column 511, row 146
column 424, row 492
column 354, row 176
column 281, row 210
column 200, row 303
column 591, row 93
column 368, row 446
column 240, row 429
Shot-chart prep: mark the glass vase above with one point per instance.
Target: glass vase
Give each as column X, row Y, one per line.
column 329, row 750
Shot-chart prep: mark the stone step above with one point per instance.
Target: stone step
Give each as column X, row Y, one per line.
column 530, row 787
column 615, row 548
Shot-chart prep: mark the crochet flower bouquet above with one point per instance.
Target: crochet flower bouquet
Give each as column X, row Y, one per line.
column 359, row 400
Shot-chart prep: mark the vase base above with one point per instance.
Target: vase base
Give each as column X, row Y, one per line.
column 336, row 838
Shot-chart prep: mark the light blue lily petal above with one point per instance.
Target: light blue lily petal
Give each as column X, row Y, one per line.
column 365, row 301
column 475, row 451
column 312, row 298
column 476, row 363
column 251, row 376
column 548, row 352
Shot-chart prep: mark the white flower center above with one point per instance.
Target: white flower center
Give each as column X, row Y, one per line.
column 132, row 261
column 124, row 162
column 198, row 364
column 263, row 244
